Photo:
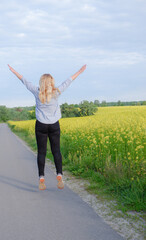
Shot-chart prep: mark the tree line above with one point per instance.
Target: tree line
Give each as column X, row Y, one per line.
column 85, row 108
column 118, row 103
column 16, row 114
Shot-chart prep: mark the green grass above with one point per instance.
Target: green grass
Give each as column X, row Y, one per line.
column 128, row 197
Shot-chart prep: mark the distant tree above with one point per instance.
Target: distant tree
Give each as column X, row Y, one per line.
column 87, row 108
column 32, row 114
column 138, row 104
column 3, row 114
column 76, row 105
column 18, row 109
column 103, row 103
column 119, row 103
column 97, row 103
column 143, row 103
column 69, row 110
column 65, row 110
column 133, row 103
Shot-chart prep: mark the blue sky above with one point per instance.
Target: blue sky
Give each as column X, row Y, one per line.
column 59, row 36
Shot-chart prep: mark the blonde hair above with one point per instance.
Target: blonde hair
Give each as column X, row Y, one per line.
column 47, row 88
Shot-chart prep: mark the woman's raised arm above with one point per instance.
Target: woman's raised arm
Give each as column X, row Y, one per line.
column 78, row 73
column 16, row 73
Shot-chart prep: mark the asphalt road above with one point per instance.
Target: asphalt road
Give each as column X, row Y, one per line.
column 29, row 214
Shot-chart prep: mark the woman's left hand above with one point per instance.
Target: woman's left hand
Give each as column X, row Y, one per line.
column 12, row 70
column 82, row 68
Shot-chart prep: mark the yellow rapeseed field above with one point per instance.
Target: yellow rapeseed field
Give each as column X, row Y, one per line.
column 114, row 138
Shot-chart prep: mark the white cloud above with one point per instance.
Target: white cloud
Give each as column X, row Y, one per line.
column 34, row 17
column 120, row 58
column 39, row 24
column 21, row 35
column 91, row 56
column 89, row 8
column 106, row 57
column 54, row 2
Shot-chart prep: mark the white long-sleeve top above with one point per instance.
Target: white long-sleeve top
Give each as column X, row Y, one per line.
column 47, row 113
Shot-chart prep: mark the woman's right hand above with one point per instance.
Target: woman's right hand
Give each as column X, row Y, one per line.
column 16, row 73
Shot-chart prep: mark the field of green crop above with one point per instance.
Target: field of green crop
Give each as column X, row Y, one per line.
column 108, row 147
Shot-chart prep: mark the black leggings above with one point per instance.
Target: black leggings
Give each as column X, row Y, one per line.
column 42, row 132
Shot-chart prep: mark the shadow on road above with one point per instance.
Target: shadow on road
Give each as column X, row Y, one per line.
column 25, row 186
column 19, row 184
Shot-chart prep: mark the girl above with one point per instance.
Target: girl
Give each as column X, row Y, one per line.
column 47, row 120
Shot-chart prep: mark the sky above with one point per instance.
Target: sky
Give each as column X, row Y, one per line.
column 60, row 36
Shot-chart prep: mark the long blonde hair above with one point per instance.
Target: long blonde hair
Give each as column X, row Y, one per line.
column 47, row 88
